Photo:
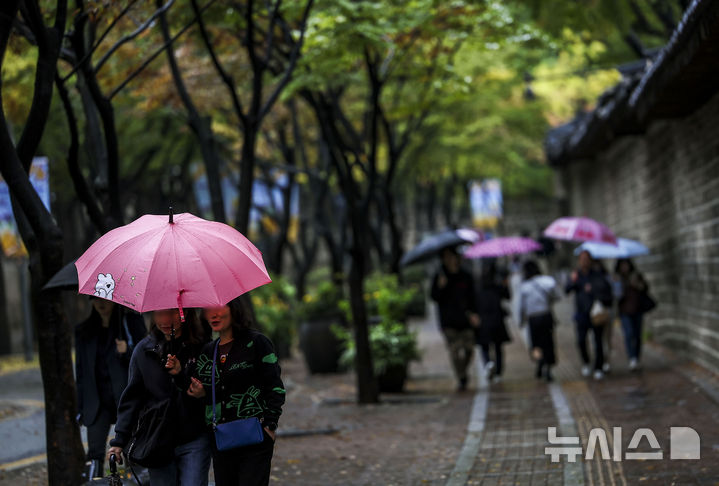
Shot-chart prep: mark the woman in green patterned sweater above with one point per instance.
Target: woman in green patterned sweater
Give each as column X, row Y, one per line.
column 247, row 384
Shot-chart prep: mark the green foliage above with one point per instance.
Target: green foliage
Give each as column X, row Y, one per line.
column 321, row 301
column 386, row 298
column 275, row 309
column 391, row 344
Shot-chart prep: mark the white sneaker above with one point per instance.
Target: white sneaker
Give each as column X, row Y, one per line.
column 586, row 370
column 489, row 370
column 633, row 364
column 598, row 375
column 606, row 367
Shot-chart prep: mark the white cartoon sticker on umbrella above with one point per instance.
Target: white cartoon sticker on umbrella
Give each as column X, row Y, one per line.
column 104, row 286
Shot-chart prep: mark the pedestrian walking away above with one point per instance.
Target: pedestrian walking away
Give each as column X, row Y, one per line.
column 160, row 371
column 491, row 334
column 591, row 289
column 608, row 331
column 453, row 290
column 633, row 302
column 537, row 294
column 103, row 345
column 247, row 384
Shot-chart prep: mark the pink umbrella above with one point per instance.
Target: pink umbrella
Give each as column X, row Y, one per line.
column 496, row 247
column 579, row 229
column 154, row 263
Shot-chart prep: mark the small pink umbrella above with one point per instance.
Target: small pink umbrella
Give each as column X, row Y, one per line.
column 497, row 247
column 158, row 263
column 579, row 229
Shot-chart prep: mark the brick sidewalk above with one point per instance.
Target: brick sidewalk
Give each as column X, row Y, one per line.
column 494, row 435
column 668, row 392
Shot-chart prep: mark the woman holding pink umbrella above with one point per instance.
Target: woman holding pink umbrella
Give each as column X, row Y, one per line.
column 156, row 382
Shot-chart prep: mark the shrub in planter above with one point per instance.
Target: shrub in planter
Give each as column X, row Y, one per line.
column 392, row 346
column 275, row 310
column 386, row 298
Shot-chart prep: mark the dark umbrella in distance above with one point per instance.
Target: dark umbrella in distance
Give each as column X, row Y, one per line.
column 431, row 245
column 64, row 279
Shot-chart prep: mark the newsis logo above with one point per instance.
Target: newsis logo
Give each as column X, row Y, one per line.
column 684, row 444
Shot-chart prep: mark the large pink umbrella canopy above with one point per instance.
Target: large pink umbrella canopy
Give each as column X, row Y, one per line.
column 579, row 229
column 497, row 247
column 152, row 264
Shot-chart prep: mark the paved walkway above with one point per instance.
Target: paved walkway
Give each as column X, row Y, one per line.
column 493, row 435
column 513, row 425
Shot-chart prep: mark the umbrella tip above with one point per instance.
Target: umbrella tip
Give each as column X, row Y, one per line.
column 170, row 211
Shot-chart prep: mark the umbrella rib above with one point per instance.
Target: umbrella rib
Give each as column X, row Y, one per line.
column 206, row 246
column 151, row 266
column 114, row 249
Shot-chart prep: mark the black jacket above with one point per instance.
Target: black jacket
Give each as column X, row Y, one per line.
column 248, row 384
column 600, row 289
column 150, row 383
column 86, row 351
column 491, row 314
column 455, row 299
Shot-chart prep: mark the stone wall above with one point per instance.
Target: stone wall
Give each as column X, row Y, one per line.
column 528, row 215
column 662, row 188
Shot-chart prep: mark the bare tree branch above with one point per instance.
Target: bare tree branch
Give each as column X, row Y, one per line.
column 227, row 80
column 149, row 22
column 96, row 45
column 157, row 53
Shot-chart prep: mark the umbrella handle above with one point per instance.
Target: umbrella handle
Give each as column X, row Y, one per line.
column 113, row 464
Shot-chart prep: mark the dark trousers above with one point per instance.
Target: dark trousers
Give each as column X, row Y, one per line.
column 632, row 326
column 585, row 326
column 541, row 331
column 497, row 356
column 244, row 466
column 97, row 434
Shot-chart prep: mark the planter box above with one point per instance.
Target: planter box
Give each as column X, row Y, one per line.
column 392, row 380
column 319, row 345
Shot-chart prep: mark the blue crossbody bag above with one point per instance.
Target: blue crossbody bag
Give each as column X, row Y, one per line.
column 238, row 433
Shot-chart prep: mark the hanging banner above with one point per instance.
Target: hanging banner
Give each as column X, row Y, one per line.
column 485, row 199
column 12, row 245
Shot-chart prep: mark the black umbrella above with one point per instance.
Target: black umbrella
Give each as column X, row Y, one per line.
column 65, row 279
column 433, row 244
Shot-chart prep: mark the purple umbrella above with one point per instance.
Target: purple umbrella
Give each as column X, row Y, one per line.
column 579, row 229
column 497, row 247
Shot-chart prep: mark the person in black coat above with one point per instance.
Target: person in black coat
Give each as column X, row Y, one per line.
column 158, row 373
column 453, row 290
column 589, row 285
column 103, row 345
column 492, row 332
column 247, row 385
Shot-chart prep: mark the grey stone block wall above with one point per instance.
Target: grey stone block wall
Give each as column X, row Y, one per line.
column 662, row 188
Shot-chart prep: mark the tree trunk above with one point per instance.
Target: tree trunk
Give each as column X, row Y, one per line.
column 396, row 249
column 65, row 453
column 43, row 240
column 201, row 126
column 367, row 389
column 247, row 177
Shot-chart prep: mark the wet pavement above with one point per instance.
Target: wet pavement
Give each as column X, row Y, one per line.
column 495, row 434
